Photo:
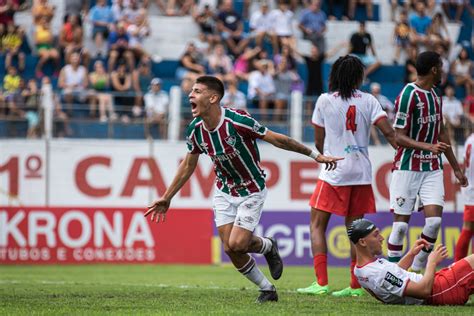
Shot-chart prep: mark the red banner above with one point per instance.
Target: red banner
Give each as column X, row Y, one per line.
column 99, row 235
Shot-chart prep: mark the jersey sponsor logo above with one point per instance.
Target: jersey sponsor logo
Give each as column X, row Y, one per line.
column 429, row 119
column 363, row 279
column 390, row 278
column 351, row 148
column 401, row 116
column 231, row 140
column 225, row 157
column 400, row 201
column 256, row 127
column 426, row 157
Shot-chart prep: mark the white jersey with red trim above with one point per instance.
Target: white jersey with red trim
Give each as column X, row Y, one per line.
column 468, row 192
column 347, row 126
column 387, row 282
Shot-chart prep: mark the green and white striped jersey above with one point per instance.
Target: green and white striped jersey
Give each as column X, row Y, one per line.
column 419, row 112
column 233, row 149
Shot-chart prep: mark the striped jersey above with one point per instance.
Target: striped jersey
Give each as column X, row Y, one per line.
column 468, row 192
column 233, row 149
column 418, row 111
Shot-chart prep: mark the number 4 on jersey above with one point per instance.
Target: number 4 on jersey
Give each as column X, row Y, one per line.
column 351, row 119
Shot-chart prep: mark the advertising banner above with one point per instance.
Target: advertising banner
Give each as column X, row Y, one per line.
column 103, row 235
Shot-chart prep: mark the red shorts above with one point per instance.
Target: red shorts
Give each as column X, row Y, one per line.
column 468, row 213
column 347, row 200
column 453, row 285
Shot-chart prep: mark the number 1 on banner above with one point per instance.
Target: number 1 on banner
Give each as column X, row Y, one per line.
column 351, row 119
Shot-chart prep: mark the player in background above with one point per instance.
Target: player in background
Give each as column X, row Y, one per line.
column 417, row 168
column 342, row 119
column 467, row 231
column 229, row 137
column 391, row 283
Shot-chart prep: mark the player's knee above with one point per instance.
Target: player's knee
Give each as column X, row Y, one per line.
column 238, row 246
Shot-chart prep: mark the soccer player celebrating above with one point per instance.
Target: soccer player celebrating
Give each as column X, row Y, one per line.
column 422, row 138
column 342, row 120
column 391, row 283
column 468, row 219
column 228, row 137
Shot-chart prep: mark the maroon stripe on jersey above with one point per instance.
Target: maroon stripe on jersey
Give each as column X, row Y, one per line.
column 236, row 162
column 394, row 247
column 437, row 127
column 207, row 139
column 424, row 128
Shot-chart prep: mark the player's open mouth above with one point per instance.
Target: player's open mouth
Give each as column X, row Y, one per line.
column 193, row 105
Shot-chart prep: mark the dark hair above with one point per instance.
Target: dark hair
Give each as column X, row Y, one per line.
column 213, row 84
column 347, row 74
column 425, row 61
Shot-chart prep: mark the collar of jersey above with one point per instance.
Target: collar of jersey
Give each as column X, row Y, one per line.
column 218, row 125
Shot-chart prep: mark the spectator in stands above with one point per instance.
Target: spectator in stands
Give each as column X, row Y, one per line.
column 453, row 114
column 288, row 54
column 42, row 9
column 131, row 12
column 30, row 97
column 313, row 24
column 261, row 89
column 243, row 63
column 137, row 33
column 102, row 17
column 99, row 81
column 410, row 63
column 387, row 106
column 230, row 27
column 419, row 24
column 469, row 107
column 442, row 51
column 76, row 7
column 462, row 69
column 401, row 35
column 73, row 82
column 282, row 21
column 44, row 46
column 141, row 78
column 60, row 118
column 122, row 85
column 207, row 24
column 12, row 42
column 175, row 7
column 345, row 9
column 156, row 108
column 285, row 80
column 458, row 6
column 368, row 7
column 189, row 67
column 119, row 49
column 438, row 32
column 219, row 64
column 261, row 26
column 11, row 87
column 233, row 98
column 71, row 39
column 7, row 11
column 359, row 42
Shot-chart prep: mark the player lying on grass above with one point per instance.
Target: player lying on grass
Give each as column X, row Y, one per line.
column 229, row 137
column 391, row 283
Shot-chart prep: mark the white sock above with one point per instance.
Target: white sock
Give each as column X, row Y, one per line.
column 253, row 273
column 266, row 245
column 430, row 233
column 395, row 241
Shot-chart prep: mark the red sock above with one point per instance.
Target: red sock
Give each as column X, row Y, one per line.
column 320, row 262
column 462, row 244
column 354, row 283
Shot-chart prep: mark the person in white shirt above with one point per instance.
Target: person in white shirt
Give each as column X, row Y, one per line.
column 342, row 119
column 261, row 89
column 391, row 283
column 261, row 26
column 156, row 106
column 233, row 98
column 467, row 232
column 453, row 113
column 282, row 21
column 387, row 106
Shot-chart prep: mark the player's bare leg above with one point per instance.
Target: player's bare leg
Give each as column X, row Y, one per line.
column 354, row 288
column 238, row 242
column 462, row 245
column 318, row 226
column 431, row 228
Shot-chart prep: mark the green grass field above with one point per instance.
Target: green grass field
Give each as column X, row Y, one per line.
column 171, row 289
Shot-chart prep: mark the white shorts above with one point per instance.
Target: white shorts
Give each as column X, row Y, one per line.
column 244, row 211
column 405, row 186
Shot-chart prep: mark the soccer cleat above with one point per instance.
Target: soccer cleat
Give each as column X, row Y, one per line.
column 348, row 291
column 314, row 289
column 267, row 296
column 275, row 264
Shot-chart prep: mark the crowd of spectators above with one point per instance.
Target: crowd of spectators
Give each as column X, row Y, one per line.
column 253, row 51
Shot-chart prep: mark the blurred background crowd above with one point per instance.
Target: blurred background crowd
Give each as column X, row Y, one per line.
column 108, row 68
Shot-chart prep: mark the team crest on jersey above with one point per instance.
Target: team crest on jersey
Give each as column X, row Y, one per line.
column 400, row 201
column 231, row 140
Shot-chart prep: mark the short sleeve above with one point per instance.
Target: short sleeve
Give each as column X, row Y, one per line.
column 318, row 113
column 376, row 112
column 403, row 108
column 393, row 281
column 247, row 126
column 191, row 142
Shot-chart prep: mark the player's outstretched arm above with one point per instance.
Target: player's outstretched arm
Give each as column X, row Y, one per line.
column 407, row 260
column 159, row 207
column 387, row 130
column 458, row 172
column 288, row 143
column 424, row 287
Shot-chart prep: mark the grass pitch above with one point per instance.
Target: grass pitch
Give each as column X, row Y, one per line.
column 181, row 290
